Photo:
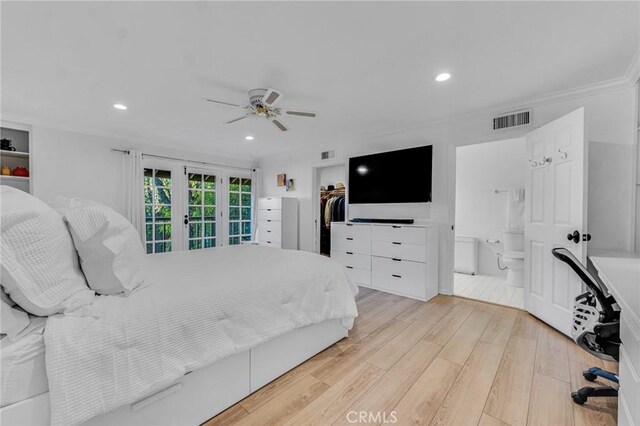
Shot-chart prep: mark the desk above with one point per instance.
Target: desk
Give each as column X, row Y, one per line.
column 620, row 272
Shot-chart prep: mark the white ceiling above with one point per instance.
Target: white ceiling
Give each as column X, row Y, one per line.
column 364, row 67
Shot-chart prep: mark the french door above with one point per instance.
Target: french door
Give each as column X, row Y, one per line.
column 189, row 208
column 219, row 208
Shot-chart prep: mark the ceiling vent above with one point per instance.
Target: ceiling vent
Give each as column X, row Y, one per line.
column 512, row 119
column 327, row 155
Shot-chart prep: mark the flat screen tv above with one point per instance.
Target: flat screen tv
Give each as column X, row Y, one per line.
column 402, row 176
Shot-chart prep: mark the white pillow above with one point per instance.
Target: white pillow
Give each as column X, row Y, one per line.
column 12, row 320
column 110, row 249
column 39, row 263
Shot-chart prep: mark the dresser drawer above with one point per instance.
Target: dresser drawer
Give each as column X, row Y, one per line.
column 359, row 276
column 629, row 390
column 353, row 260
column 398, row 250
column 269, row 231
column 403, row 277
column 269, row 215
column 400, row 234
column 631, row 342
column 269, row 243
column 269, row 203
column 351, row 245
column 349, row 230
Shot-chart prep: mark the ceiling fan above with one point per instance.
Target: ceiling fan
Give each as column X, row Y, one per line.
column 262, row 103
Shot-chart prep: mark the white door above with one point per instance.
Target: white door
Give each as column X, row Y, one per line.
column 202, row 216
column 555, row 208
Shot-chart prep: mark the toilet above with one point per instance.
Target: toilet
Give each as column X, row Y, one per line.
column 513, row 256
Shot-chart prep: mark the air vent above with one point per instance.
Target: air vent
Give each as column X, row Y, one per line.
column 512, row 119
column 327, row 155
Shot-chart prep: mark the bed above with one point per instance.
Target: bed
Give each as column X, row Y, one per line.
column 206, row 329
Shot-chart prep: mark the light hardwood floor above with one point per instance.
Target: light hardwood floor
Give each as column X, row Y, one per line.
column 448, row 361
column 488, row 289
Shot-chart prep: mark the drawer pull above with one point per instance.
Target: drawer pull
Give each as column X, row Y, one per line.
column 268, row 230
column 349, row 267
column 349, row 252
column 395, row 259
column 397, row 226
column 268, row 210
column 396, row 276
column 396, row 243
column 269, row 220
column 349, row 239
column 268, row 242
column 349, row 224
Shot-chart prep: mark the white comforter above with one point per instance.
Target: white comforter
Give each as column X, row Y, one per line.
column 196, row 308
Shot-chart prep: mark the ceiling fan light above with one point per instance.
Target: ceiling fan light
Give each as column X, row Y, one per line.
column 249, row 138
column 121, row 107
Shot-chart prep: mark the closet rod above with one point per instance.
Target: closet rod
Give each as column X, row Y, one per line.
column 127, row 152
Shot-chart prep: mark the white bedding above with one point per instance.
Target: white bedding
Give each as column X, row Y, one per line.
column 23, row 366
column 196, row 308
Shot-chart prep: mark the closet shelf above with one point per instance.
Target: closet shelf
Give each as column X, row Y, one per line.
column 14, row 178
column 14, row 154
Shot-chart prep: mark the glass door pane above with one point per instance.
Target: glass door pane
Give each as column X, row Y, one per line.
column 157, row 209
column 200, row 218
column 239, row 210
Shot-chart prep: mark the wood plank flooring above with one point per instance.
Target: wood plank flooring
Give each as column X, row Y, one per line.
column 488, row 289
column 450, row 361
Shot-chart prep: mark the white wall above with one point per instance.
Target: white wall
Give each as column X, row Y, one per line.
column 79, row 165
column 332, row 175
column 480, row 212
column 610, row 120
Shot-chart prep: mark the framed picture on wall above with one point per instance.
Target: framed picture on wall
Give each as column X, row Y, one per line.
column 282, row 179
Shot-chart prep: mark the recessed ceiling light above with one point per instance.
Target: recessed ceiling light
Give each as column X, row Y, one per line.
column 443, row 76
column 120, row 106
column 249, row 138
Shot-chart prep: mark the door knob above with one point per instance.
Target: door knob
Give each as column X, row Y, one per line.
column 586, row 237
column 575, row 237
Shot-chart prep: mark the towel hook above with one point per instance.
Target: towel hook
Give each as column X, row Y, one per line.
column 563, row 154
column 545, row 160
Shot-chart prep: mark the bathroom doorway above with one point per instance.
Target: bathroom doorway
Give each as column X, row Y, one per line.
column 489, row 222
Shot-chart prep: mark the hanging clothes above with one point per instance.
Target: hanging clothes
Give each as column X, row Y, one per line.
column 332, row 209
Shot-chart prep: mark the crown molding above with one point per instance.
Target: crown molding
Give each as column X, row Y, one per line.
column 120, row 142
column 633, row 71
column 593, row 89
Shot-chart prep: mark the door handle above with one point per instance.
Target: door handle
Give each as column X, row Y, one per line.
column 186, row 219
column 575, row 236
column 586, row 237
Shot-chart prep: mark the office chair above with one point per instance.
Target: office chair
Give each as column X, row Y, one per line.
column 595, row 328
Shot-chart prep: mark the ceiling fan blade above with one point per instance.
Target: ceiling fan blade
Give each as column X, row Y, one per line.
column 271, row 97
column 279, row 125
column 236, row 119
column 302, row 113
column 224, row 103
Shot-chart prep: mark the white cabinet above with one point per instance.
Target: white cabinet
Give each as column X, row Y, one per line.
column 278, row 222
column 398, row 259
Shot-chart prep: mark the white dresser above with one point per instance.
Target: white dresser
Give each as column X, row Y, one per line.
column 278, row 222
column 620, row 272
column 398, row 259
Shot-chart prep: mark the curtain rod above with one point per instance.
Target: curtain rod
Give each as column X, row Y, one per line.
column 126, row 151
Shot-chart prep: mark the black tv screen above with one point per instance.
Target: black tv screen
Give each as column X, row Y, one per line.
column 391, row 177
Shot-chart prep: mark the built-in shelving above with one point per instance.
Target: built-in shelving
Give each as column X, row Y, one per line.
column 20, row 136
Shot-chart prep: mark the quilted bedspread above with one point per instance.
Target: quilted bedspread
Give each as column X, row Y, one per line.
column 194, row 308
